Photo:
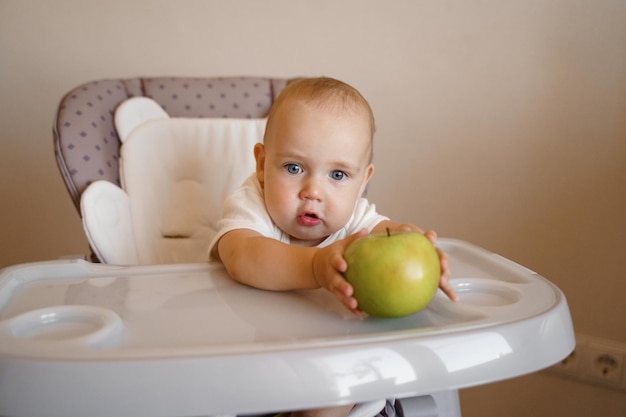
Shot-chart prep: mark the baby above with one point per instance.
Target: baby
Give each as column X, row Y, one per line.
column 289, row 224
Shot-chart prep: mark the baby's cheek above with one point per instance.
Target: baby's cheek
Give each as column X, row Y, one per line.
column 338, row 217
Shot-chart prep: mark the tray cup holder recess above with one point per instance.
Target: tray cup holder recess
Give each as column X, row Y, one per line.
column 66, row 326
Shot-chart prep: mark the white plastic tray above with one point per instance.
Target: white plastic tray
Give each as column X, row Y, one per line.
column 80, row 339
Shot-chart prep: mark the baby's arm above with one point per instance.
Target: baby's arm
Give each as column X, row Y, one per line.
column 266, row 263
column 444, row 283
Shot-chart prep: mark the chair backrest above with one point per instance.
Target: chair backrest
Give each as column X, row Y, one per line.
column 175, row 174
column 87, row 145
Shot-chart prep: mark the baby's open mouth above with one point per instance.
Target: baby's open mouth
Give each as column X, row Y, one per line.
column 309, row 219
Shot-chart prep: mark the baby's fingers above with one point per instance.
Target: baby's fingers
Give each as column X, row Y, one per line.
column 431, row 235
column 344, row 293
column 448, row 290
column 352, row 304
column 444, row 283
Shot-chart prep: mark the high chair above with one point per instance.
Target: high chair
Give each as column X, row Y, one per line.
column 155, row 330
column 87, row 149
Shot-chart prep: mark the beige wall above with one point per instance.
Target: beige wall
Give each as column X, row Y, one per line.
column 499, row 122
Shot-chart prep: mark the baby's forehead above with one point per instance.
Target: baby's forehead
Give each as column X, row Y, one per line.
column 287, row 118
column 333, row 107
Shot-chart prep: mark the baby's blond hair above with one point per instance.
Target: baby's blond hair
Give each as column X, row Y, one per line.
column 323, row 92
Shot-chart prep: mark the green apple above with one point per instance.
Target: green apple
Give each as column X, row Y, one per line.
column 393, row 274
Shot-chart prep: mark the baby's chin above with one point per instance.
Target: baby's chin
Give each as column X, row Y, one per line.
column 311, row 240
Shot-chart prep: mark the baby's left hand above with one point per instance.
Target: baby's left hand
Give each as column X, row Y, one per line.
column 444, row 281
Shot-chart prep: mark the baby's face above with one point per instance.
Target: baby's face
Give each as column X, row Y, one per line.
column 314, row 166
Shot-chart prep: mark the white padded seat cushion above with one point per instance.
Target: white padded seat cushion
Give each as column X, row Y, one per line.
column 177, row 173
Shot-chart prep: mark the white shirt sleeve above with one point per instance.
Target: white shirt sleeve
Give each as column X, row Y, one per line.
column 245, row 209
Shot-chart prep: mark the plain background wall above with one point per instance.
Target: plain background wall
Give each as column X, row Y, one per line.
column 499, row 122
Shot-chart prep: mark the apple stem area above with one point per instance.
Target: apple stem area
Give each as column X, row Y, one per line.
column 388, row 232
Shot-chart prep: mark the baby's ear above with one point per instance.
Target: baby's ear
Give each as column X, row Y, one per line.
column 259, row 155
column 369, row 172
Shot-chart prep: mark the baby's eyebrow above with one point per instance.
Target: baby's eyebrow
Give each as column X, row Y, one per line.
column 346, row 166
column 343, row 164
column 288, row 153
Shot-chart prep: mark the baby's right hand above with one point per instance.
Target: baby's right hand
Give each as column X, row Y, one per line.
column 329, row 266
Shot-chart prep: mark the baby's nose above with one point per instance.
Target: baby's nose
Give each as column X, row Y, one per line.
column 311, row 190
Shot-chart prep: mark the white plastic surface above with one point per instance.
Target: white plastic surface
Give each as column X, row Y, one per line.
column 189, row 341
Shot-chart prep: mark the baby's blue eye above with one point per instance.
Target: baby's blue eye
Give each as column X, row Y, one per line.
column 293, row 168
column 338, row 175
